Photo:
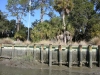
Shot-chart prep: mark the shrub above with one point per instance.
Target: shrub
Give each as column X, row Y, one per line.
column 7, row 41
column 95, row 31
column 20, row 35
column 95, row 41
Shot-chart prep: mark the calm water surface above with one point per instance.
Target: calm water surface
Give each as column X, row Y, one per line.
column 4, row 70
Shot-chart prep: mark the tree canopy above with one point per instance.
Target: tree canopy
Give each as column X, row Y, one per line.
column 80, row 17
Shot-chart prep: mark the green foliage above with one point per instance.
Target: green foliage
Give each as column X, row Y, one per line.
column 3, row 21
column 17, row 8
column 46, row 30
column 71, row 29
column 61, row 5
column 95, row 30
column 57, row 24
column 21, row 35
column 45, row 7
column 83, row 17
column 82, row 12
column 97, row 5
column 23, row 1
column 6, row 26
column 41, row 31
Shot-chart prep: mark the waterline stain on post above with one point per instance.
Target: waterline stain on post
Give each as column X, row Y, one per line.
column 50, row 55
column 90, row 56
column 60, row 55
column 80, row 55
column 42, row 51
column 70, row 56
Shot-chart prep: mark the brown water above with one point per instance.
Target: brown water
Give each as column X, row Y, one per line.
column 4, row 70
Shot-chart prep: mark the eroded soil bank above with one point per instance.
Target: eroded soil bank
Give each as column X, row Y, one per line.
column 35, row 65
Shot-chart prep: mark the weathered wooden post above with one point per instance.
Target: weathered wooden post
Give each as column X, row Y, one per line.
column 90, row 56
column 34, row 53
column 70, row 56
column 27, row 47
column 13, row 48
column 28, row 50
column 42, row 49
column 98, row 55
column 50, row 55
column 60, row 55
column 80, row 55
column 0, row 49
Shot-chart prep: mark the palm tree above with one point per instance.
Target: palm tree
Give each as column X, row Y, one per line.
column 63, row 7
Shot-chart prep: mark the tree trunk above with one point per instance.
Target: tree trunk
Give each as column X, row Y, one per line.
column 18, row 27
column 42, row 12
column 18, row 24
column 63, row 16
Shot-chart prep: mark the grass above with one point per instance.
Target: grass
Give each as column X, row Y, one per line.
column 6, row 41
column 93, row 41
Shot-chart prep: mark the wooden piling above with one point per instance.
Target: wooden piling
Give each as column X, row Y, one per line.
column 50, row 55
column 90, row 56
column 28, row 50
column 86, row 53
column 13, row 51
column 80, row 55
column 41, row 55
column 98, row 55
column 0, row 49
column 60, row 55
column 34, row 53
column 70, row 56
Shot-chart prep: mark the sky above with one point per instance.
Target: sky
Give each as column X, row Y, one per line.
column 25, row 20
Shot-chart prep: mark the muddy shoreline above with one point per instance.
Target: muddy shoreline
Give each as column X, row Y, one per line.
column 37, row 65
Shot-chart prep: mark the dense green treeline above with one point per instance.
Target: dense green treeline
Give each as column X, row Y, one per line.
column 8, row 28
column 84, row 17
column 83, row 22
column 80, row 17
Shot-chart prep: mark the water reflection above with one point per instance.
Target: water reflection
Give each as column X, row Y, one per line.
column 50, row 71
column 17, row 71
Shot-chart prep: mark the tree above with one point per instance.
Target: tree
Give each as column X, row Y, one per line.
column 41, row 31
column 83, row 17
column 17, row 9
column 6, row 26
column 2, row 21
column 95, row 30
column 63, row 7
column 96, row 4
column 46, row 30
column 56, row 23
column 43, row 5
column 12, row 27
column 21, row 34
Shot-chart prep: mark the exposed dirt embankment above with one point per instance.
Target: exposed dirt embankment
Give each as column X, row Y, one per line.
column 20, row 62
column 33, row 64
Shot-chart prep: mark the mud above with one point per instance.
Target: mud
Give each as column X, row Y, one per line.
column 44, row 68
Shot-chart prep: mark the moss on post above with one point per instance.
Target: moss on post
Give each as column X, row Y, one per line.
column 60, row 55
